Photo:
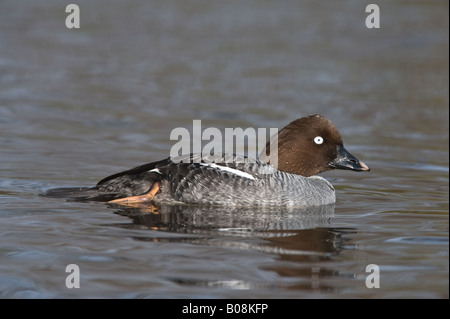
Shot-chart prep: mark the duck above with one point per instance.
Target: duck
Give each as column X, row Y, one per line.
column 287, row 177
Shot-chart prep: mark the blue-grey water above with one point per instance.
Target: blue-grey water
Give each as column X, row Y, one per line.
column 77, row 105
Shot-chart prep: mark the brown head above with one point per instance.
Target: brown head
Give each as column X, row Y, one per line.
column 311, row 145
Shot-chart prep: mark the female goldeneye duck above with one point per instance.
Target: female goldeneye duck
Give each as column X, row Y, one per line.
column 306, row 147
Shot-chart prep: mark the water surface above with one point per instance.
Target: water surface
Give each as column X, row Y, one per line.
column 78, row 105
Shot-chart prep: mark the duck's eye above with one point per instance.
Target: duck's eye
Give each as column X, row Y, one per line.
column 318, row 140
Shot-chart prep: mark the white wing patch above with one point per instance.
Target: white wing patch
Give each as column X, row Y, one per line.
column 230, row 170
column 155, row 170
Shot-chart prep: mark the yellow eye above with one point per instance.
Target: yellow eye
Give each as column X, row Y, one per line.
column 318, row 140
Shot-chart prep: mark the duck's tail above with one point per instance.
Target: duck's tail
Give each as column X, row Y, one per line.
column 80, row 194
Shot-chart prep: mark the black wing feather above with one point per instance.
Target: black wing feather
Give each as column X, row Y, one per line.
column 136, row 170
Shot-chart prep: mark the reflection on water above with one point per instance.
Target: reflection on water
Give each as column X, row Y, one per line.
column 198, row 219
column 304, row 250
column 300, row 236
